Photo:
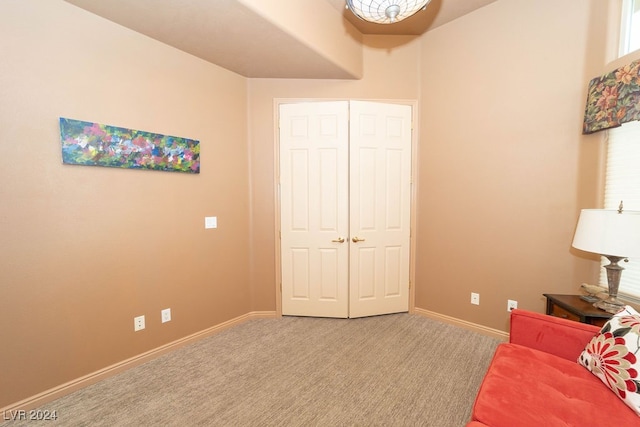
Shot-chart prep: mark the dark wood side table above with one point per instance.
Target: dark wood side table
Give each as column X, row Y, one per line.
column 573, row 308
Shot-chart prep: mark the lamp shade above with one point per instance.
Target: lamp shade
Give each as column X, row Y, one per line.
column 385, row 11
column 608, row 232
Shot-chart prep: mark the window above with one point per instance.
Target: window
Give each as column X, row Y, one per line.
column 630, row 27
column 622, row 182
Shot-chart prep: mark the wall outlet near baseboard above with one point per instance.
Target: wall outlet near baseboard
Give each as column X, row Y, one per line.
column 511, row 304
column 138, row 323
column 165, row 315
column 475, row 298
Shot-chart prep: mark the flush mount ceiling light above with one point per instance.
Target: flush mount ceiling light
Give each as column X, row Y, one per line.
column 385, row 11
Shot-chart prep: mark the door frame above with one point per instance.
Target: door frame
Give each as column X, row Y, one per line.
column 276, row 186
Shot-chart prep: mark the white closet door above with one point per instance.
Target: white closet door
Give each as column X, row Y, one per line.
column 314, row 208
column 345, row 176
column 380, row 200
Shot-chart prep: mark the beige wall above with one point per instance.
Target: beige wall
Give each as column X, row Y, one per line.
column 504, row 168
column 85, row 249
column 503, row 171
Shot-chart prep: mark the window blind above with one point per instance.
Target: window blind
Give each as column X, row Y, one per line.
column 622, row 182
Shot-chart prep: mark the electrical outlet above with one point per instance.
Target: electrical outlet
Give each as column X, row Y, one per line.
column 138, row 323
column 166, row 315
column 511, row 304
column 475, row 298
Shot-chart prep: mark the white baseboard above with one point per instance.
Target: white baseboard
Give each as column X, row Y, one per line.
column 494, row 333
column 92, row 378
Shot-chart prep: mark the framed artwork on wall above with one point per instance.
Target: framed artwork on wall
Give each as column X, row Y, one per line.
column 93, row 144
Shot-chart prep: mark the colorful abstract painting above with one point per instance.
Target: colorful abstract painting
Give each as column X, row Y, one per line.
column 93, row 144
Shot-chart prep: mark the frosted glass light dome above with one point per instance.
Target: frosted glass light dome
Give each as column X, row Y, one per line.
column 385, row 11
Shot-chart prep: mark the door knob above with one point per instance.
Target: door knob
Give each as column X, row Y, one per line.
column 338, row 240
column 357, row 239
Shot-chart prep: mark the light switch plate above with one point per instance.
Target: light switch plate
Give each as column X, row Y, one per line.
column 211, row 222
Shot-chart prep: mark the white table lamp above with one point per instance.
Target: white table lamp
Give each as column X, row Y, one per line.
column 614, row 234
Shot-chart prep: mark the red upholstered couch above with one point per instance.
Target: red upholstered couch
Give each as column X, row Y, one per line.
column 535, row 380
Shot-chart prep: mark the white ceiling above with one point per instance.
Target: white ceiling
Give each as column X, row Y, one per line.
column 228, row 34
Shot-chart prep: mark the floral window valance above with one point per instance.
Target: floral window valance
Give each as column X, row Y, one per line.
column 613, row 99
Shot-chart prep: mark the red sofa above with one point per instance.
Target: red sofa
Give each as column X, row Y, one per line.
column 535, row 380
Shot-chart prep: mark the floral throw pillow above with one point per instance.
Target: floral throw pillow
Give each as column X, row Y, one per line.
column 613, row 355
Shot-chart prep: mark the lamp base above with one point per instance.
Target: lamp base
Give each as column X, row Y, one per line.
column 610, row 305
column 614, row 271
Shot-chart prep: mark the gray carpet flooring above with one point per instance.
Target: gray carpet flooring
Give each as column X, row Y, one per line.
column 394, row 370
